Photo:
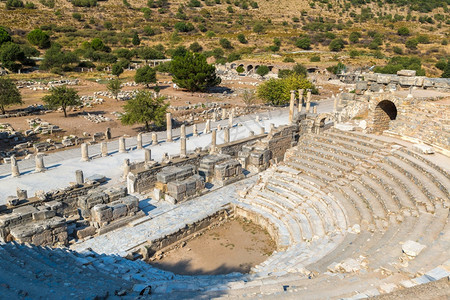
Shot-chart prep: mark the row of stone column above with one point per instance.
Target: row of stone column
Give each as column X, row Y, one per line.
column 39, row 165
column 299, row 104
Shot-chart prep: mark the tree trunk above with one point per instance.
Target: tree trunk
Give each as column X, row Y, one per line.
column 2, row 107
column 64, row 110
column 147, row 126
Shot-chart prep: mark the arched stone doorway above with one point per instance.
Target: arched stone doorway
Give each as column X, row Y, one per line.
column 385, row 111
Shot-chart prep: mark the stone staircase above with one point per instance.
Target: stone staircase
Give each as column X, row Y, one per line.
column 340, row 208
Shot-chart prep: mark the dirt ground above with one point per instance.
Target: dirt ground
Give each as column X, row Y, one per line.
column 438, row 290
column 235, row 246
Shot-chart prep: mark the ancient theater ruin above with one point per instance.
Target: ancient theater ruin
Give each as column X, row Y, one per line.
column 353, row 192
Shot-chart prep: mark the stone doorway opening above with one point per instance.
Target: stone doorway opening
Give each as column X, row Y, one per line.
column 385, row 112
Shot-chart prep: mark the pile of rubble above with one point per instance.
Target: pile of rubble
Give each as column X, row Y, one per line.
column 96, row 118
column 39, row 126
column 36, row 85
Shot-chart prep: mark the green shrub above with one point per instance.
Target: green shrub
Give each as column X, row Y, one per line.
column 403, row 31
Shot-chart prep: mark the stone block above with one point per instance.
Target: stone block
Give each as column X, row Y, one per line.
column 167, row 174
column 375, row 87
column 119, row 210
column 361, row 86
column 185, row 172
column 406, row 81
column 43, row 238
column 412, row 248
column 85, row 232
column 424, row 149
column 371, row 77
column 115, row 193
column 406, row 73
column 101, row 213
column 176, row 187
column 348, row 96
column 384, row 79
column 43, row 215
column 12, row 200
column 131, row 202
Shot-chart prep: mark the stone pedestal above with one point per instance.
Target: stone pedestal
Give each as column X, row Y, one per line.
column 126, row 167
column 148, row 155
column 79, row 176
column 183, row 147
column 300, row 100
column 308, row 106
column 214, row 116
column 315, row 109
column 194, row 130
column 139, row 141
column 224, row 113
column 213, row 141
column 272, row 127
column 104, row 148
column 226, row 135
column 207, row 127
column 291, row 107
column 122, row 146
column 39, row 159
column 154, row 139
column 84, row 152
column 169, row 127
column 21, row 194
column 263, row 130
column 230, row 120
column 335, row 103
column 183, row 131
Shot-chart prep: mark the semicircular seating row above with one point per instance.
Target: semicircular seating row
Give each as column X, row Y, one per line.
column 340, row 207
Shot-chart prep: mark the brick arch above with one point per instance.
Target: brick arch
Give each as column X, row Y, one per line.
column 382, row 110
column 321, row 120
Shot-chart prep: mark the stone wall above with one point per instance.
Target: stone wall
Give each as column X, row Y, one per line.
column 427, row 121
column 143, row 180
column 233, row 148
column 405, row 79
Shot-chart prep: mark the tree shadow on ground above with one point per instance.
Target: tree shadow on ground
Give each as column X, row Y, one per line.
column 184, row 267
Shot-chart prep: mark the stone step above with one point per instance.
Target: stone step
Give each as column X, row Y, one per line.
column 343, row 160
column 345, row 144
column 365, row 211
column 389, row 203
column 328, row 170
column 333, row 149
column 309, row 171
column 437, row 174
column 313, row 157
column 357, row 139
column 284, row 237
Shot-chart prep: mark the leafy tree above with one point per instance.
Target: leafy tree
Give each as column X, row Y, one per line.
column 403, row 31
column 97, row 44
column 354, row 37
column 277, row 91
column 4, row 36
column 77, row 16
column 145, row 75
column 240, row 69
column 150, row 53
column 262, row 70
column 12, row 56
column 9, row 94
column 336, row 45
column 441, row 64
column 446, row 71
column 56, row 58
column 39, row 38
column 117, row 69
column 10, row 4
column 299, row 69
column 233, row 56
column 411, row 44
column 114, row 87
column 149, row 31
column 397, row 50
column 136, row 40
column 258, row 28
column 303, row 43
column 196, row 47
column 226, row 44
column 398, row 63
column 241, row 38
column 184, row 27
column 193, row 73
column 337, row 69
column 62, row 96
column 314, row 58
column 145, row 108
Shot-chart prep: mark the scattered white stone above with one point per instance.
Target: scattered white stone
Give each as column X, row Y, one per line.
column 363, row 124
column 344, row 127
column 355, row 229
column 388, row 287
column 412, row 248
column 425, row 149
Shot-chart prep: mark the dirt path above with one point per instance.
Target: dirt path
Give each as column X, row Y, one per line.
column 235, row 246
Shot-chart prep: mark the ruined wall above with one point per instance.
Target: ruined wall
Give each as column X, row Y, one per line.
column 233, row 148
column 280, row 140
column 144, row 180
column 427, row 121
